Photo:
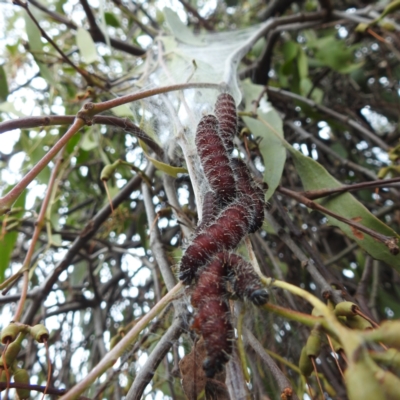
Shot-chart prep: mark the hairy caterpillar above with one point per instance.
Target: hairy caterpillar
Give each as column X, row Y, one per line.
column 213, row 317
column 215, row 160
column 225, row 233
column 225, row 110
column 246, row 186
column 233, row 208
column 245, row 282
column 210, row 211
column 209, row 297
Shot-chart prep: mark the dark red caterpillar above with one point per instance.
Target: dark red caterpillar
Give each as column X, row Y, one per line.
column 246, row 186
column 215, row 160
column 225, row 110
column 233, row 208
column 245, row 282
column 213, row 316
column 210, row 298
column 225, row 233
column 210, row 210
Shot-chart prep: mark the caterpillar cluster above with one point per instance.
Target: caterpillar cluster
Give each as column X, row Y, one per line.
column 233, row 208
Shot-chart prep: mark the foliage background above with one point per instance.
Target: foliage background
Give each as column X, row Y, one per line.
column 335, row 92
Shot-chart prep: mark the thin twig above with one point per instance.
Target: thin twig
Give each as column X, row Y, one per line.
column 279, row 376
column 112, row 356
column 389, row 242
column 317, row 194
column 305, row 135
column 146, row 372
column 7, row 201
column 85, row 235
column 86, row 75
column 305, row 261
column 340, row 117
column 38, row 227
column 156, row 245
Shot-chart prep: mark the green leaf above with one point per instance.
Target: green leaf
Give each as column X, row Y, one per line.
column 122, row 111
column 86, row 46
column 290, row 50
column 302, row 64
column 3, row 84
column 335, row 54
column 88, row 143
column 269, row 132
column 314, row 176
column 168, row 169
column 34, row 35
column 179, row 29
column 111, row 20
column 36, row 48
column 9, row 108
column 7, row 244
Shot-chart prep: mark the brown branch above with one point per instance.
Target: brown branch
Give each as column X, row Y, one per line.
column 124, row 123
column 94, row 29
column 317, row 194
column 146, row 373
column 36, row 388
column 390, row 242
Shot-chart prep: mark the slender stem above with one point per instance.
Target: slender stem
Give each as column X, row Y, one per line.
column 7, row 201
column 156, row 244
column 81, row 71
column 146, row 372
column 279, row 376
column 90, row 109
column 317, row 194
column 38, row 227
column 112, row 356
column 48, row 120
column 390, row 242
column 305, row 319
column 340, row 117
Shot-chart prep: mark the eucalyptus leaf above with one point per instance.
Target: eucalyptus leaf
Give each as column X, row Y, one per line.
column 86, row 46
column 8, row 241
column 3, row 84
column 179, row 29
column 36, row 48
column 168, row 169
column 111, row 20
column 268, row 131
column 314, row 176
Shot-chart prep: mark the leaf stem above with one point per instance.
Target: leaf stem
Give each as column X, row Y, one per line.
column 38, row 227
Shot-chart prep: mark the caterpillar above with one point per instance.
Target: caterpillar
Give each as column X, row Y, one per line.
column 215, row 160
column 233, row 208
column 225, row 110
column 245, row 282
column 213, row 317
column 210, row 298
column 210, row 211
column 245, row 186
column 225, row 233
